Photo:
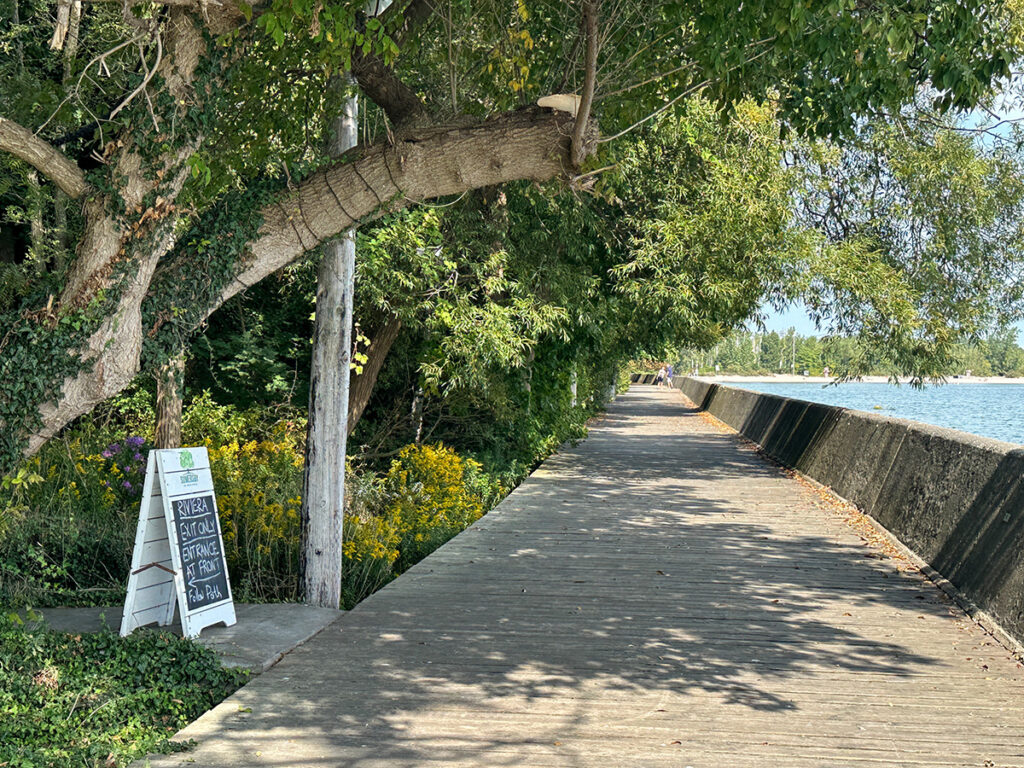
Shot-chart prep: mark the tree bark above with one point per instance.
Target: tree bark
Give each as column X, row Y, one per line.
column 418, row 164
column 580, row 150
column 37, row 230
column 170, row 382
column 323, row 496
column 46, row 159
column 71, row 42
column 363, row 383
column 529, row 144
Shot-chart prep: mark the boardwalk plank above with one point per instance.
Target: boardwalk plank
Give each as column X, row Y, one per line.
column 655, row 596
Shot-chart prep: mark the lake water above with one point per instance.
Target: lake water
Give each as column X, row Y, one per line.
column 990, row 410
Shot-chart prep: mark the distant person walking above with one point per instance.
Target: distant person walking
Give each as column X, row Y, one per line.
column 660, row 378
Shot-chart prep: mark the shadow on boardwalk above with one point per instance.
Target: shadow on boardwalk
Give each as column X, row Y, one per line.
column 654, row 596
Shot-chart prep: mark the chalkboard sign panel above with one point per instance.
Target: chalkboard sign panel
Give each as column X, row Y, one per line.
column 179, row 554
column 202, row 558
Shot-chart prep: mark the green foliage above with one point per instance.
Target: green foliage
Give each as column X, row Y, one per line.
column 430, row 498
column 449, row 275
column 255, row 349
column 71, row 528
column 830, row 62
column 711, row 209
column 263, row 92
column 842, row 57
column 68, row 515
column 428, row 495
column 37, row 353
column 199, row 269
column 922, row 222
column 259, row 490
column 71, row 701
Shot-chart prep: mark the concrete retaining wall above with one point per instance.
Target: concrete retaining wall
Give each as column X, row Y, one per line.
column 955, row 499
column 642, row 378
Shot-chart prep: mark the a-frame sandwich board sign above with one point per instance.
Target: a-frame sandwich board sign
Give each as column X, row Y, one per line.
column 179, row 553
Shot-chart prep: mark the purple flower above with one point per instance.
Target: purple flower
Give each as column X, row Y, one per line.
column 114, row 448
column 106, row 483
column 134, row 442
column 137, row 456
column 106, row 454
column 127, row 485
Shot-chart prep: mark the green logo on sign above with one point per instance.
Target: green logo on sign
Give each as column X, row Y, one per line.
column 185, row 459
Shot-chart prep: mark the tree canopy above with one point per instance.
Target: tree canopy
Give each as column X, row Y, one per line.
column 170, row 155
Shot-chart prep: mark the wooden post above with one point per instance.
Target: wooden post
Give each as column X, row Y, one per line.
column 323, row 498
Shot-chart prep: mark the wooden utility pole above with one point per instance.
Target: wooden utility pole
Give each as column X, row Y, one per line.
column 323, row 496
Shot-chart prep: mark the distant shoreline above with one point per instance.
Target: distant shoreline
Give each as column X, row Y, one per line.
column 788, row 378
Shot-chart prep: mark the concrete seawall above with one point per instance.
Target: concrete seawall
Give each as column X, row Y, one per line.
column 955, row 499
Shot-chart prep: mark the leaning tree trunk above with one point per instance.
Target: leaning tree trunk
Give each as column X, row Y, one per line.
column 364, row 382
column 530, row 144
column 170, row 380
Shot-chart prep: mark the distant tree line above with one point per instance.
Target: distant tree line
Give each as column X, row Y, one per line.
column 751, row 353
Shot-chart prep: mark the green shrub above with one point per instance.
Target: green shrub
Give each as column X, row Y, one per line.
column 68, row 519
column 428, row 500
column 76, row 523
column 259, row 490
column 99, row 700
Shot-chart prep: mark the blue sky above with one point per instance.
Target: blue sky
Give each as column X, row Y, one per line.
column 793, row 317
column 796, row 317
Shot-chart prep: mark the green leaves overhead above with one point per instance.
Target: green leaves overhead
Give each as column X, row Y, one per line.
column 710, row 207
column 831, row 61
column 828, row 61
column 452, row 275
column 907, row 237
column 922, row 226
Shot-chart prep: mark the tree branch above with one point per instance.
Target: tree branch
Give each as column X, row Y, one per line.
column 527, row 144
column 579, row 143
column 51, row 162
column 380, row 84
column 378, row 81
column 414, row 14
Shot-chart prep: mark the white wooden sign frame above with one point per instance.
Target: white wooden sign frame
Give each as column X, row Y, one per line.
column 158, row 580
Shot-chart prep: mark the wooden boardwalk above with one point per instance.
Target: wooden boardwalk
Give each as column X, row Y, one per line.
column 656, row 596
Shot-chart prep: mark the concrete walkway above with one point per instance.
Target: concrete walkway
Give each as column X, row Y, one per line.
column 263, row 634
column 656, row 596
